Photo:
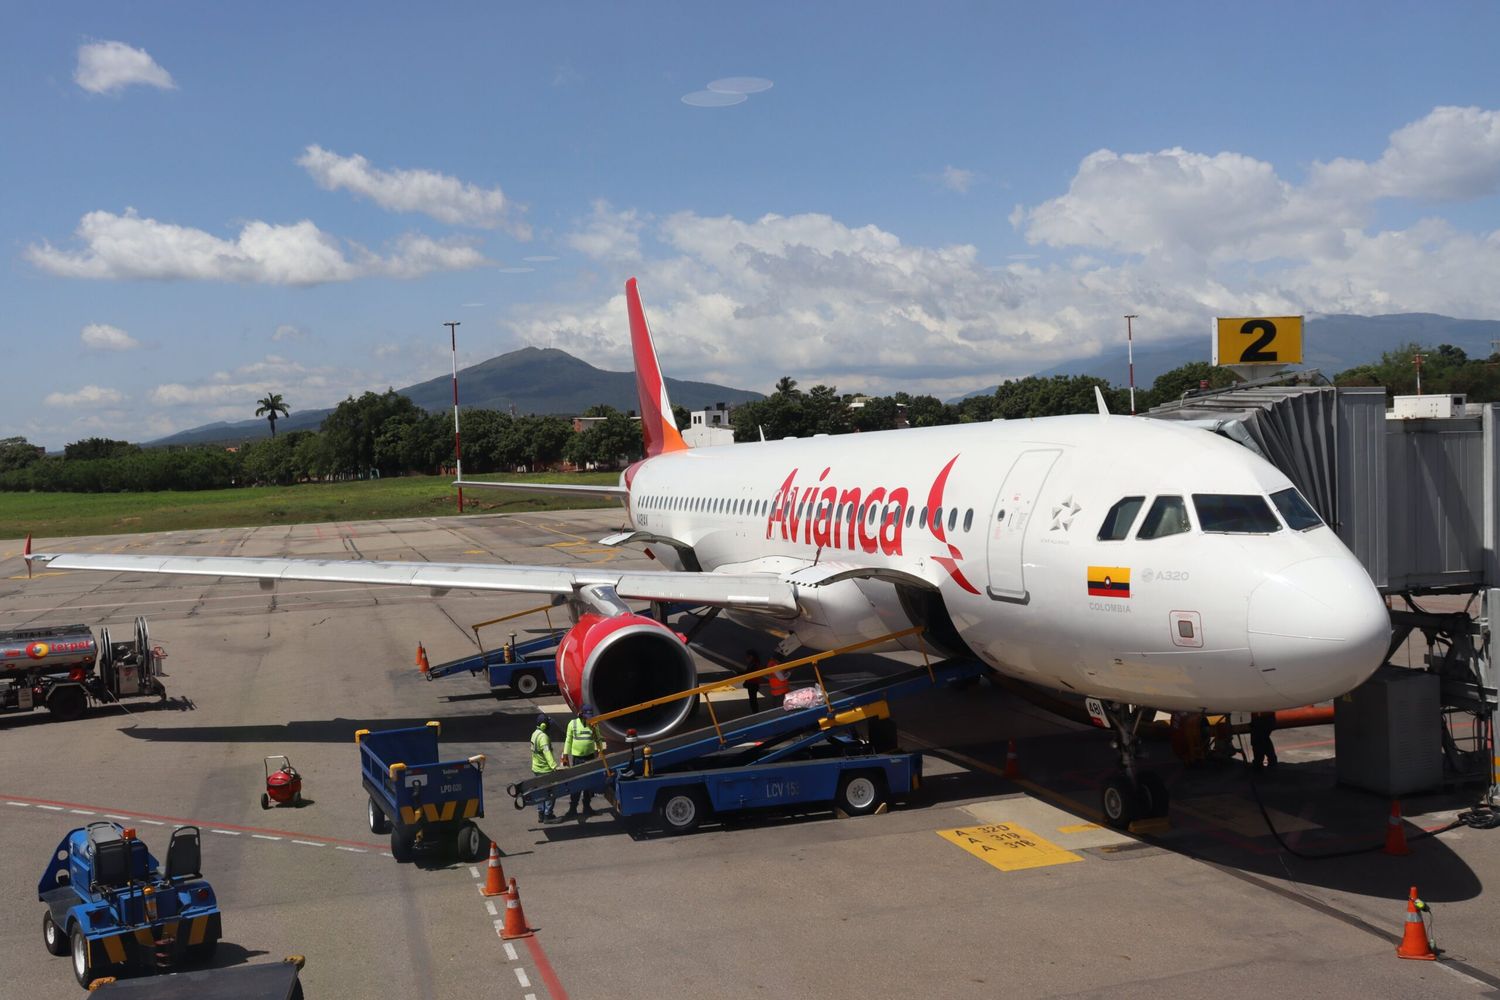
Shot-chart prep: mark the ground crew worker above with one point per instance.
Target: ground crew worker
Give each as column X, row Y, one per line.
column 542, row 762
column 777, row 682
column 1261, row 725
column 581, row 744
column 752, row 685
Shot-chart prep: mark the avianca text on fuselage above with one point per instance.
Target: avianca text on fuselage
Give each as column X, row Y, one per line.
column 826, row 516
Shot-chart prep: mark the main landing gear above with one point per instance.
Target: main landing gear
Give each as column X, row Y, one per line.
column 1130, row 793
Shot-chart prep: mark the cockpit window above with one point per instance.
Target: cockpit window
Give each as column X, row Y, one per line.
column 1235, row 514
column 1167, row 516
column 1119, row 519
column 1295, row 510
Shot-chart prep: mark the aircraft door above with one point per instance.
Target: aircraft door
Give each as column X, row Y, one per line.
column 1008, row 523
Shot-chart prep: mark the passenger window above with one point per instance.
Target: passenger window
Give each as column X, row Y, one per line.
column 1167, row 516
column 910, row 514
column 1119, row 519
column 923, row 517
column 1235, row 514
column 968, row 519
column 952, row 518
column 1295, row 510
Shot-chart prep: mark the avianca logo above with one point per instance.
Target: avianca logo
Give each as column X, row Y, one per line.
column 827, row 516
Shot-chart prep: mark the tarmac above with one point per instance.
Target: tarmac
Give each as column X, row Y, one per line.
column 906, row 904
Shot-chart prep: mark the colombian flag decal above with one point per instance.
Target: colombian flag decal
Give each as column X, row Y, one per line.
column 1109, row 581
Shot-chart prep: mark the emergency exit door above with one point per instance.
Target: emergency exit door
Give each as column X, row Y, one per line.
column 1009, row 521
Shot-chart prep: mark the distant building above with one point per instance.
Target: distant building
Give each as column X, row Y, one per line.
column 710, row 427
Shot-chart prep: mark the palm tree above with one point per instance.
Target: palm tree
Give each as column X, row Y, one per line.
column 270, row 406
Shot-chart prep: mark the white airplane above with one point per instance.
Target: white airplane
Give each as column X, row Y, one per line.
column 1139, row 563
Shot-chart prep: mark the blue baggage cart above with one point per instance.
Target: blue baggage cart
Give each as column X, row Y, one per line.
column 421, row 800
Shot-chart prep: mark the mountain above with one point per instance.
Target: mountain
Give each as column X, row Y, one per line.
column 1331, row 344
column 533, row 380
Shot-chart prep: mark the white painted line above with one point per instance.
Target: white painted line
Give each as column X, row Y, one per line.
column 521, row 978
column 264, row 836
column 498, row 925
column 386, row 854
column 351, row 850
column 56, row 809
column 309, row 843
column 510, row 951
column 530, row 996
column 114, row 816
column 227, row 833
column 489, row 904
column 83, row 812
column 23, row 805
column 153, row 822
column 473, row 872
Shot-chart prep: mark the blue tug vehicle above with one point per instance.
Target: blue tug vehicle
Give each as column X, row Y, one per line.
column 113, row 908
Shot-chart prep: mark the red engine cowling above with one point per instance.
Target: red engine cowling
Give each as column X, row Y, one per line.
column 614, row 662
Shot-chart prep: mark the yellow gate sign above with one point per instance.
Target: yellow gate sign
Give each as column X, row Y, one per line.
column 1258, row 340
column 1008, row 847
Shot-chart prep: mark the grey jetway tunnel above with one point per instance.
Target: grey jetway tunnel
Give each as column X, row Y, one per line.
column 1418, row 502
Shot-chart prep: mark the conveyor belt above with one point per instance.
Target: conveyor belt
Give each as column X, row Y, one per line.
column 761, row 727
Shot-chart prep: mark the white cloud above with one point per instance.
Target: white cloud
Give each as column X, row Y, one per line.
column 106, row 67
column 89, row 395
column 103, row 337
column 444, row 198
column 130, row 247
column 1452, row 154
column 608, row 234
column 957, row 179
column 285, row 331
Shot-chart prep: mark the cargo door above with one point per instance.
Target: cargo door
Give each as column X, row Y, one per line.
column 1009, row 520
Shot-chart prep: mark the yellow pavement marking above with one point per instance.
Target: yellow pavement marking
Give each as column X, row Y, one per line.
column 564, row 545
column 46, row 572
column 1008, row 847
column 474, row 552
column 1078, row 828
column 1241, row 817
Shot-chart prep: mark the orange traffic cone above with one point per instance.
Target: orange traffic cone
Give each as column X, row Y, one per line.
column 422, row 663
column 1414, row 942
column 1395, row 833
column 1012, row 764
column 494, row 877
column 515, row 917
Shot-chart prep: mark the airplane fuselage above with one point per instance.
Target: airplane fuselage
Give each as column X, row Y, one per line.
column 1115, row 557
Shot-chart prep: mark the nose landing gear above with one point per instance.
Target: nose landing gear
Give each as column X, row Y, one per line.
column 1131, row 793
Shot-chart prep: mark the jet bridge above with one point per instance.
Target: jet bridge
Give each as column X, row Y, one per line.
column 1418, row 502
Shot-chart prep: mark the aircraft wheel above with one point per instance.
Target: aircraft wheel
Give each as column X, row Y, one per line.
column 1119, row 801
column 526, row 683
column 379, row 822
column 1154, row 795
column 84, row 969
column 469, row 843
column 861, row 792
column 681, row 810
column 52, row 936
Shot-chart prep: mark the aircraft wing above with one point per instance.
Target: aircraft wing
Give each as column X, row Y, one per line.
column 556, row 489
column 746, row 591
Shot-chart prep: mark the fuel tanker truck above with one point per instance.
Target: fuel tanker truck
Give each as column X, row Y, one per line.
column 64, row 668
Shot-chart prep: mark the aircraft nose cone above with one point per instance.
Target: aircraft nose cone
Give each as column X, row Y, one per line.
column 1317, row 629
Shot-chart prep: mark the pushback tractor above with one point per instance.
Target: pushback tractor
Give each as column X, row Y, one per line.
column 65, row 668
column 113, row 908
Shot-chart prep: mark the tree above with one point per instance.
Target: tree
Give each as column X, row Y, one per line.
column 96, row 447
column 270, row 406
column 1169, row 386
column 682, row 416
column 354, row 425
column 17, row 453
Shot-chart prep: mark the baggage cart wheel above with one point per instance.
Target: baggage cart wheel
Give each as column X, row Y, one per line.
column 526, row 682
column 682, row 810
column 469, row 843
column 400, row 845
column 379, row 822
column 861, row 792
column 53, row 937
column 265, row 801
column 67, row 702
column 84, row 969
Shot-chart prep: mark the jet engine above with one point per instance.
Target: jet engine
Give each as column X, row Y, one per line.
column 611, row 662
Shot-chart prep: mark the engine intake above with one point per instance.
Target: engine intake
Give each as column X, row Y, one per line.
column 615, row 662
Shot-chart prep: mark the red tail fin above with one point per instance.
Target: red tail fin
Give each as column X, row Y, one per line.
column 656, row 409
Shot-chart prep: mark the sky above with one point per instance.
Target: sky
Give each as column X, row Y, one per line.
column 205, row 203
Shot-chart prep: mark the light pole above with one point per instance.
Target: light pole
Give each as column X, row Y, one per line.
column 1130, row 355
column 458, row 453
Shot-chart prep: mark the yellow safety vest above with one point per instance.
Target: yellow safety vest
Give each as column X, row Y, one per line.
column 542, row 760
column 581, row 741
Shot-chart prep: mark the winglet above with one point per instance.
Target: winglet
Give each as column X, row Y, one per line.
column 657, row 422
column 1099, row 398
column 26, row 553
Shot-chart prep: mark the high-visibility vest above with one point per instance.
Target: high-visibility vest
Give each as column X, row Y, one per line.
column 777, row 682
column 580, row 742
column 542, row 760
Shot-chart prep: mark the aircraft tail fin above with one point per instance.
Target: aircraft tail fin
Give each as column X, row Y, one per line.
column 1103, row 406
column 657, row 423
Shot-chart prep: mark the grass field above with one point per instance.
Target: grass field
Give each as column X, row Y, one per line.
column 57, row 515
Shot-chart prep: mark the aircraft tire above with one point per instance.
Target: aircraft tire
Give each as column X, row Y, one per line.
column 1155, row 799
column 1119, row 801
